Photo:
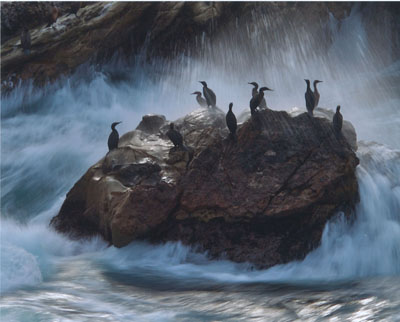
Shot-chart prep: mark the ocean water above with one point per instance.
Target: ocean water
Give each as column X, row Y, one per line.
column 49, row 138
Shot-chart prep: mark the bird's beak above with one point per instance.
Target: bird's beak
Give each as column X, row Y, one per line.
column 192, row 93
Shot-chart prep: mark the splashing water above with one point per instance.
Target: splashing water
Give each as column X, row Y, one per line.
column 49, row 137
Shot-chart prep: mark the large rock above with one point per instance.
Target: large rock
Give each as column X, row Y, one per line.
column 264, row 198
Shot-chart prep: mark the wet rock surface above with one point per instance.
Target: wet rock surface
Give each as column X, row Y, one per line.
column 264, row 198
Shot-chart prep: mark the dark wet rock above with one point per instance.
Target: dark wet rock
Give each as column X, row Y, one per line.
column 264, row 198
column 151, row 124
column 134, row 174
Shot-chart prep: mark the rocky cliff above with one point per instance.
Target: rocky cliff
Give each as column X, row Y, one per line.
column 264, row 198
column 164, row 29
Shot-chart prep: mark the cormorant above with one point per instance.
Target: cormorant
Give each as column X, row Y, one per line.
column 316, row 93
column 175, row 136
column 113, row 138
column 337, row 120
column 256, row 100
column 202, row 102
column 26, row 41
column 310, row 101
column 209, row 95
column 231, row 121
column 53, row 15
column 254, row 92
column 74, row 8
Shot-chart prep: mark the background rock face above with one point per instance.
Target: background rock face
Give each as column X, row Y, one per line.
column 16, row 15
column 163, row 29
column 264, row 198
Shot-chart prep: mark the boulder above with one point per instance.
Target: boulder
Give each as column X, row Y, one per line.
column 263, row 198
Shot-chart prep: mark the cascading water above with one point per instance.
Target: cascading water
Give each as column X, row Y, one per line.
column 50, row 137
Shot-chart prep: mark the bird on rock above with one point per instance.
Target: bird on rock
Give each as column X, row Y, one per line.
column 113, row 139
column 175, row 137
column 337, row 120
column 316, row 93
column 202, row 102
column 254, row 92
column 256, row 100
column 231, row 122
column 310, row 101
column 209, row 95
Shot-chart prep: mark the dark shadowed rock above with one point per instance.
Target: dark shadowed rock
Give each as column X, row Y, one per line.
column 265, row 198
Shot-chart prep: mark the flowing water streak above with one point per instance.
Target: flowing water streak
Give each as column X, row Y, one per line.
column 50, row 137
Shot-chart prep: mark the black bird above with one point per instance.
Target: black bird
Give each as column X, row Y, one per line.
column 74, row 8
column 202, row 102
column 337, row 120
column 175, row 136
column 209, row 95
column 26, row 41
column 316, row 93
column 114, row 137
column 231, row 121
column 254, row 92
column 310, row 101
column 256, row 100
column 52, row 15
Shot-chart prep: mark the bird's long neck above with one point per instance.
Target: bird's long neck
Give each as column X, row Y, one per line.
column 315, row 87
column 198, row 95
